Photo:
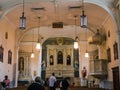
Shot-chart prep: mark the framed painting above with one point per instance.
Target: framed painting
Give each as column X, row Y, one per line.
column 109, row 55
column 115, row 49
column 1, row 53
column 9, row 57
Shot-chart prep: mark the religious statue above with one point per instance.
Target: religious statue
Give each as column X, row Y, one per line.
column 60, row 57
column 51, row 60
column 68, row 60
column 84, row 72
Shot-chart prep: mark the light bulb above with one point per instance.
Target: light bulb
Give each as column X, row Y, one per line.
column 86, row 54
column 32, row 55
column 38, row 47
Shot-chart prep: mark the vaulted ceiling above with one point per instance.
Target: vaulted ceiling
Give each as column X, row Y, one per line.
column 51, row 11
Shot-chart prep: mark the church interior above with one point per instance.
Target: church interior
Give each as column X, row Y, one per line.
column 41, row 37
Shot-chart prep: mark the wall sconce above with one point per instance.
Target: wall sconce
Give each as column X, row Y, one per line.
column 23, row 20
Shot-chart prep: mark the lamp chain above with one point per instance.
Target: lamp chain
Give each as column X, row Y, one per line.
column 75, row 28
column 86, row 39
column 38, row 27
column 82, row 5
column 33, row 40
column 23, row 5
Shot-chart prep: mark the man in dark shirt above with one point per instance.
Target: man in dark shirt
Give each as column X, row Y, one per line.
column 37, row 85
column 65, row 84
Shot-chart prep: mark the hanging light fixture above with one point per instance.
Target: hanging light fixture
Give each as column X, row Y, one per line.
column 23, row 20
column 76, row 37
column 83, row 17
column 38, row 46
column 76, row 43
column 32, row 54
column 86, row 53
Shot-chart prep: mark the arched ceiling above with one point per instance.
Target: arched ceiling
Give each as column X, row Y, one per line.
column 51, row 11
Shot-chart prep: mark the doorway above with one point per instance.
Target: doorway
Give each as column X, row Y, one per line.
column 115, row 78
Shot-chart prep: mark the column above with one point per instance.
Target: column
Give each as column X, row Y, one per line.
column 71, row 50
column 39, row 62
column 27, row 67
column 48, row 57
column 64, row 58
column 16, row 59
column 55, row 57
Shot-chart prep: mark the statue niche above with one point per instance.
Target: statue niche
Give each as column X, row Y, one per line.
column 51, row 60
column 68, row 60
column 60, row 57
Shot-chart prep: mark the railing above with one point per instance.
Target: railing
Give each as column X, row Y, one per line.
column 98, row 67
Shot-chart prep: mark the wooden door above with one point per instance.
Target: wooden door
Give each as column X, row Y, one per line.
column 115, row 78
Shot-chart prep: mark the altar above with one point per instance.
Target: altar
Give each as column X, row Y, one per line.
column 60, row 61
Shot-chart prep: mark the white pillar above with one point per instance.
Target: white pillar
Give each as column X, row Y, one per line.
column 39, row 62
column 71, row 50
column 48, row 57
column 16, row 58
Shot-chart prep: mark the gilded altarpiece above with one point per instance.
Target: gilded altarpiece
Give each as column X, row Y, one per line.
column 24, row 66
column 60, row 60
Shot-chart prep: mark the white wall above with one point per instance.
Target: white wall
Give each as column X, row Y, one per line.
column 7, row 44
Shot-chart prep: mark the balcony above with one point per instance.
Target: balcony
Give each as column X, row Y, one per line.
column 98, row 68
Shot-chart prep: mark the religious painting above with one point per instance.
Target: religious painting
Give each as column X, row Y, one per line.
column 51, row 60
column 115, row 48
column 68, row 60
column 60, row 57
column 1, row 53
column 9, row 57
column 109, row 55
